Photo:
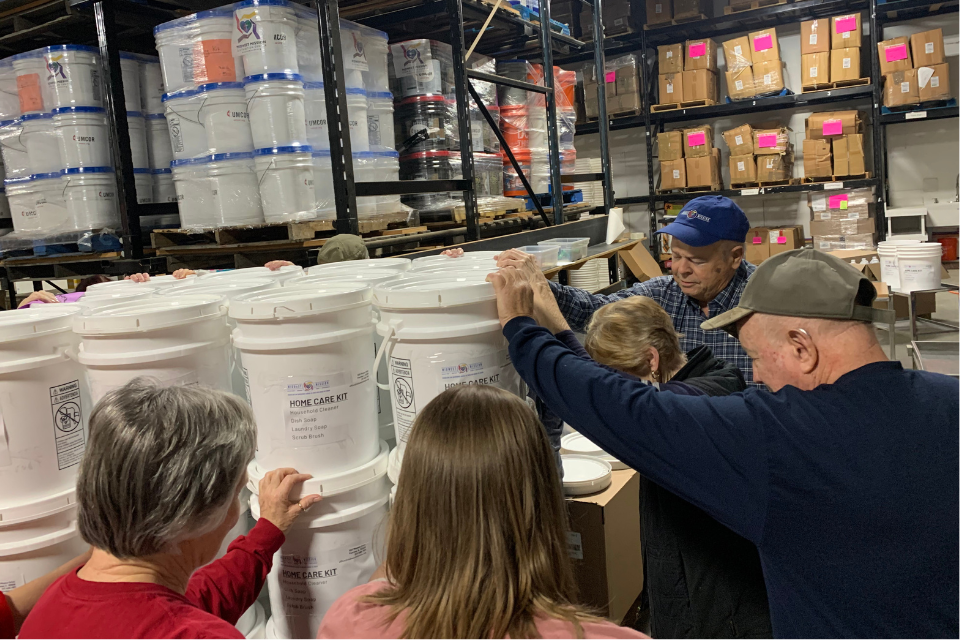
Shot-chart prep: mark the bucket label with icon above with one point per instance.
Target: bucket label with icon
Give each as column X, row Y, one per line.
column 357, row 60
column 322, row 410
column 67, row 412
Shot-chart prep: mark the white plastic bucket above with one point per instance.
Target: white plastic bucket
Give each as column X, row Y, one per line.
column 275, row 102
column 357, row 118
column 32, row 90
column 919, row 266
column 175, row 40
column 354, row 55
column 111, row 285
column 45, row 405
column 137, row 127
column 161, row 283
column 440, row 333
column 187, row 136
column 253, row 623
column 40, row 140
column 244, row 524
column 158, row 141
column 889, row 269
column 380, row 130
column 22, row 197
column 16, row 162
column 73, row 76
column 51, row 206
column 309, row 64
column 143, row 182
column 454, row 263
column 194, row 192
column 236, row 198
column 91, row 197
column 9, row 100
column 280, row 275
column 32, row 548
column 163, row 188
column 83, row 136
column 315, row 109
column 182, row 341
column 117, row 295
column 394, row 264
column 331, row 549
column 223, row 113
column 377, row 52
column 308, row 359
column 388, row 169
column 326, row 205
column 365, row 170
column 130, row 77
column 4, row 205
column 285, row 176
column 213, row 58
column 265, row 35
column 151, row 85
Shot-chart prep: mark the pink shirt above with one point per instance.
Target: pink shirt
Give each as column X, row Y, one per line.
column 350, row 618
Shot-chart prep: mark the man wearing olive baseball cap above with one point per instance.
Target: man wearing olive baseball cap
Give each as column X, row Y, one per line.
column 844, row 474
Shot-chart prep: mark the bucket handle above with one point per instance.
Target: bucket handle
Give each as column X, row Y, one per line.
column 380, row 352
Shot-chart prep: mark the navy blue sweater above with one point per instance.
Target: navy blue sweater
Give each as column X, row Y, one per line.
column 849, row 491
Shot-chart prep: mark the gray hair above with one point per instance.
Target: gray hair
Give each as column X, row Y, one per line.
column 162, row 465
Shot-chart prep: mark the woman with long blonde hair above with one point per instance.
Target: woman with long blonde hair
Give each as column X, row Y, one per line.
column 476, row 541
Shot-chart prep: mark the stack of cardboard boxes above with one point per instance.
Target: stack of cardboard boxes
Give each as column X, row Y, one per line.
column 830, row 50
column 689, row 159
column 842, row 219
column 914, row 69
column 834, row 145
column 622, row 85
column 761, row 154
column 763, row 242
column 753, row 63
column 619, row 16
column 688, row 72
column 663, row 11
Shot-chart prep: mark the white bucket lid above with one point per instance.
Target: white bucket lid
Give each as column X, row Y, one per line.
column 352, row 266
column 925, row 249
column 101, row 286
column 370, row 277
column 334, row 484
column 118, row 295
column 164, row 281
column 432, row 293
column 48, row 506
column 281, row 274
column 230, row 288
column 148, row 315
column 393, row 464
column 467, row 267
column 21, row 324
column 440, row 259
column 297, row 301
column 583, row 475
column 579, row 444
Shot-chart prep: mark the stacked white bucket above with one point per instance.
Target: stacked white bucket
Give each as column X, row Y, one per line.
column 910, row 265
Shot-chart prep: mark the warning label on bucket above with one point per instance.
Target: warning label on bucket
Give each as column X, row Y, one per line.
column 321, row 410
column 313, row 581
column 67, row 423
column 401, row 372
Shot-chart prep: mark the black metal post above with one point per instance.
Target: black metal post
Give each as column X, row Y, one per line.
column 115, row 105
column 879, row 143
column 338, row 122
column 600, row 62
column 455, row 10
column 646, row 82
column 550, row 99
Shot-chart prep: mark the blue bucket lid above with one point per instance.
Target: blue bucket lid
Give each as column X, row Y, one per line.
column 222, row 12
column 7, row 123
column 11, row 182
column 127, row 55
column 354, row 91
column 380, row 95
column 262, row 77
column 313, row 85
column 174, row 24
column 364, row 155
column 35, row 116
column 236, row 155
column 46, row 176
column 261, row 3
column 181, row 93
column 27, row 54
column 214, row 86
column 273, row 151
column 140, row 170
column 79, row 170
column 156, row 171
column 395, row 154
column 155, row 116
column 6, row 62
column 134, row 114
column 149, row 59
column 185, row 162
column 70, row 47
column 62, row 110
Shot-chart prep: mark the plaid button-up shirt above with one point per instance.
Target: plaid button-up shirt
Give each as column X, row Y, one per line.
column 577, row 306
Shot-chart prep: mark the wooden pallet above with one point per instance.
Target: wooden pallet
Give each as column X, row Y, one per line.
column 780, row 183
column 686, row 104
column 96, row 241
column 687, row 190
column 756, row 4
column 817, row 180
column 920, row 106
column 744, row 185
column 839, row 84
column 501, row 210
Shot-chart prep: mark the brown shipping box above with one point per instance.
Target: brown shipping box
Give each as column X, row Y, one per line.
column 927, row 48
column 815, row 36
column 700, row 54
column 841, row 36
column 703, row 171
column 641, row 263
column 670, row 58
column 618, row 17
column 845, row 64
column 702, row 139
column 670, row 145
column 758, row 245
column 842, row 227
column 604, row 546
column 768, row 76
column 900, row 88
column 815, row 68
column 779, row 138
column 817, row 161
column 736, row 53
column 686, row 8
column 743, row 169
column 739, row 140
column 764, row 46
column 849, row 122
column 926, row 303
column 699, row 84
column 934, row 82
column 671, row 88
column 740, row 84
column 894, row 55
column 659, row 11
column 786, row 239
column 673, row 174
column 848, row 156
column 774, row 168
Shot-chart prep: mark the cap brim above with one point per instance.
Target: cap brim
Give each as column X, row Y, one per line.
column 727, row 320
column 688, row 235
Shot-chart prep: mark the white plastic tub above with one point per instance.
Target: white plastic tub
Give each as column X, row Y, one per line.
column 377, row 77
column 182, row 341
column 285, row 176
column 308, row 360
column 213, row 57
column 919, row 266
column 380, row 130
column 399, row 265
column 280, row 275
column 571, row 249
column 175, row 42
column 91, row 197
column 191, row 180
column 266, row 36
column 118, row 295
column 365, row 170
column 188, row 139
column 326, row 205
column 275, row 102
column 16, row 162
column 357, row 117
column 544, row 254
column 130, row 77
column 51, row 207
column 163, row 188
column 158, row 141
column 40, row 140
column 223, row 113
column 4, row 205
column 32, row 548
column 143, row 182
column 388, row 169
column 151, row 85
column 22, row 197
column 236, row 196
column 73, row 76
column 9, row 100
column 354, row 55
column 315, row 109
column 137, row 127
column 309, row 64
column 83, row 136
column 32, row 90
column 889, row 267
column 454, row 263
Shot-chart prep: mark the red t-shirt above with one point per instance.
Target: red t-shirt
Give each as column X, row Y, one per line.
column 216, row 597
column 7, row 629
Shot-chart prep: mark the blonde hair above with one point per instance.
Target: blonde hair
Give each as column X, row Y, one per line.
column 620, row 335
column 476, row 541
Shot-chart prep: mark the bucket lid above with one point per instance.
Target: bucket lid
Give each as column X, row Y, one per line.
column 236, row 155
column 47, row 176
column 579, row 444
column 72, row 47
column 310, row 86
column 181, row 93
column 380, row 95
column 128, row 287
column 134, row 114
column 217, row 86
column 149, row 315
column 32, row 322
column 13, row 182
column 155, row 116
column 229, row 288
column 266, row 77
column 46, row 506
column 281, row 274
column 109, row 297
column 356, row 91
column 221, row 12
column 370, row 277
column 583, row 475
column 442, row 259
column 186, row 162
column 276, row 151
column 331, row 485
column 127, row 55
column 7, row 123
column 299, row 301
column 65, row 110
column 159, row 171
column 394, row 462
column 111, row 284
column 421, row 155
column 35, row 116
column 424, row 99
column 26, row 55
column 168, row 280
column 139, row 170
column 351, row 266
column 389, row 153
column 261, row 3
column 78, row 170
column 431, row 294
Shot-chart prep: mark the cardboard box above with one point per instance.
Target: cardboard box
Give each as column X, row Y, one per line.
column 704, row 171
column 641, row 264
column 842, row 227
column 845, row 64
column 686, row 8
column 700, row 54
column 698, row 141
column 900, row 88
column 785, row 239
column 927, row 48
column 774, row 168
column 743, row 169
column 764, row 46
column 934, row 82
column 736, row 53
column 834, row 123
column 845, row 31
column 814, row 36
column 627, row 102
column 627, row 80
column 817, row 160
column 848, row 156
column 604, row 544
column 618, row 17
column 739, row 140
column 740, row 83
column 834, row 243
column 894, row 55
column 699, row 84
column 671, row 88
column 926, row 303
column 843, row 204
column 815, row 68
column 670, row 58
column 768, row 76
column 659, row 11
column 771, row 141
column 673, row 174
column 758, row 245
column 670, row 145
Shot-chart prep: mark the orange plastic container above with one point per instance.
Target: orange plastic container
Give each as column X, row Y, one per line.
column 513, row 124
column 949, row 248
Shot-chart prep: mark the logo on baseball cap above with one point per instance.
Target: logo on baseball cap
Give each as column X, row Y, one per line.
column 709, row 219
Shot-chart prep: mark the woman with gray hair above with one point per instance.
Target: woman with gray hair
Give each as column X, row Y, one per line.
column 158, row 490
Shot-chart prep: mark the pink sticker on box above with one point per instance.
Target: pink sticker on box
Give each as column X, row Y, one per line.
column 611, row 76
column 782, row 240
column 696, row 139
column 698, row 49
column 757, row 240
column 898, row 52
column 846, row 24
column 836, row 200
column 762, row 43
column 833, row 127
column 767, row 140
